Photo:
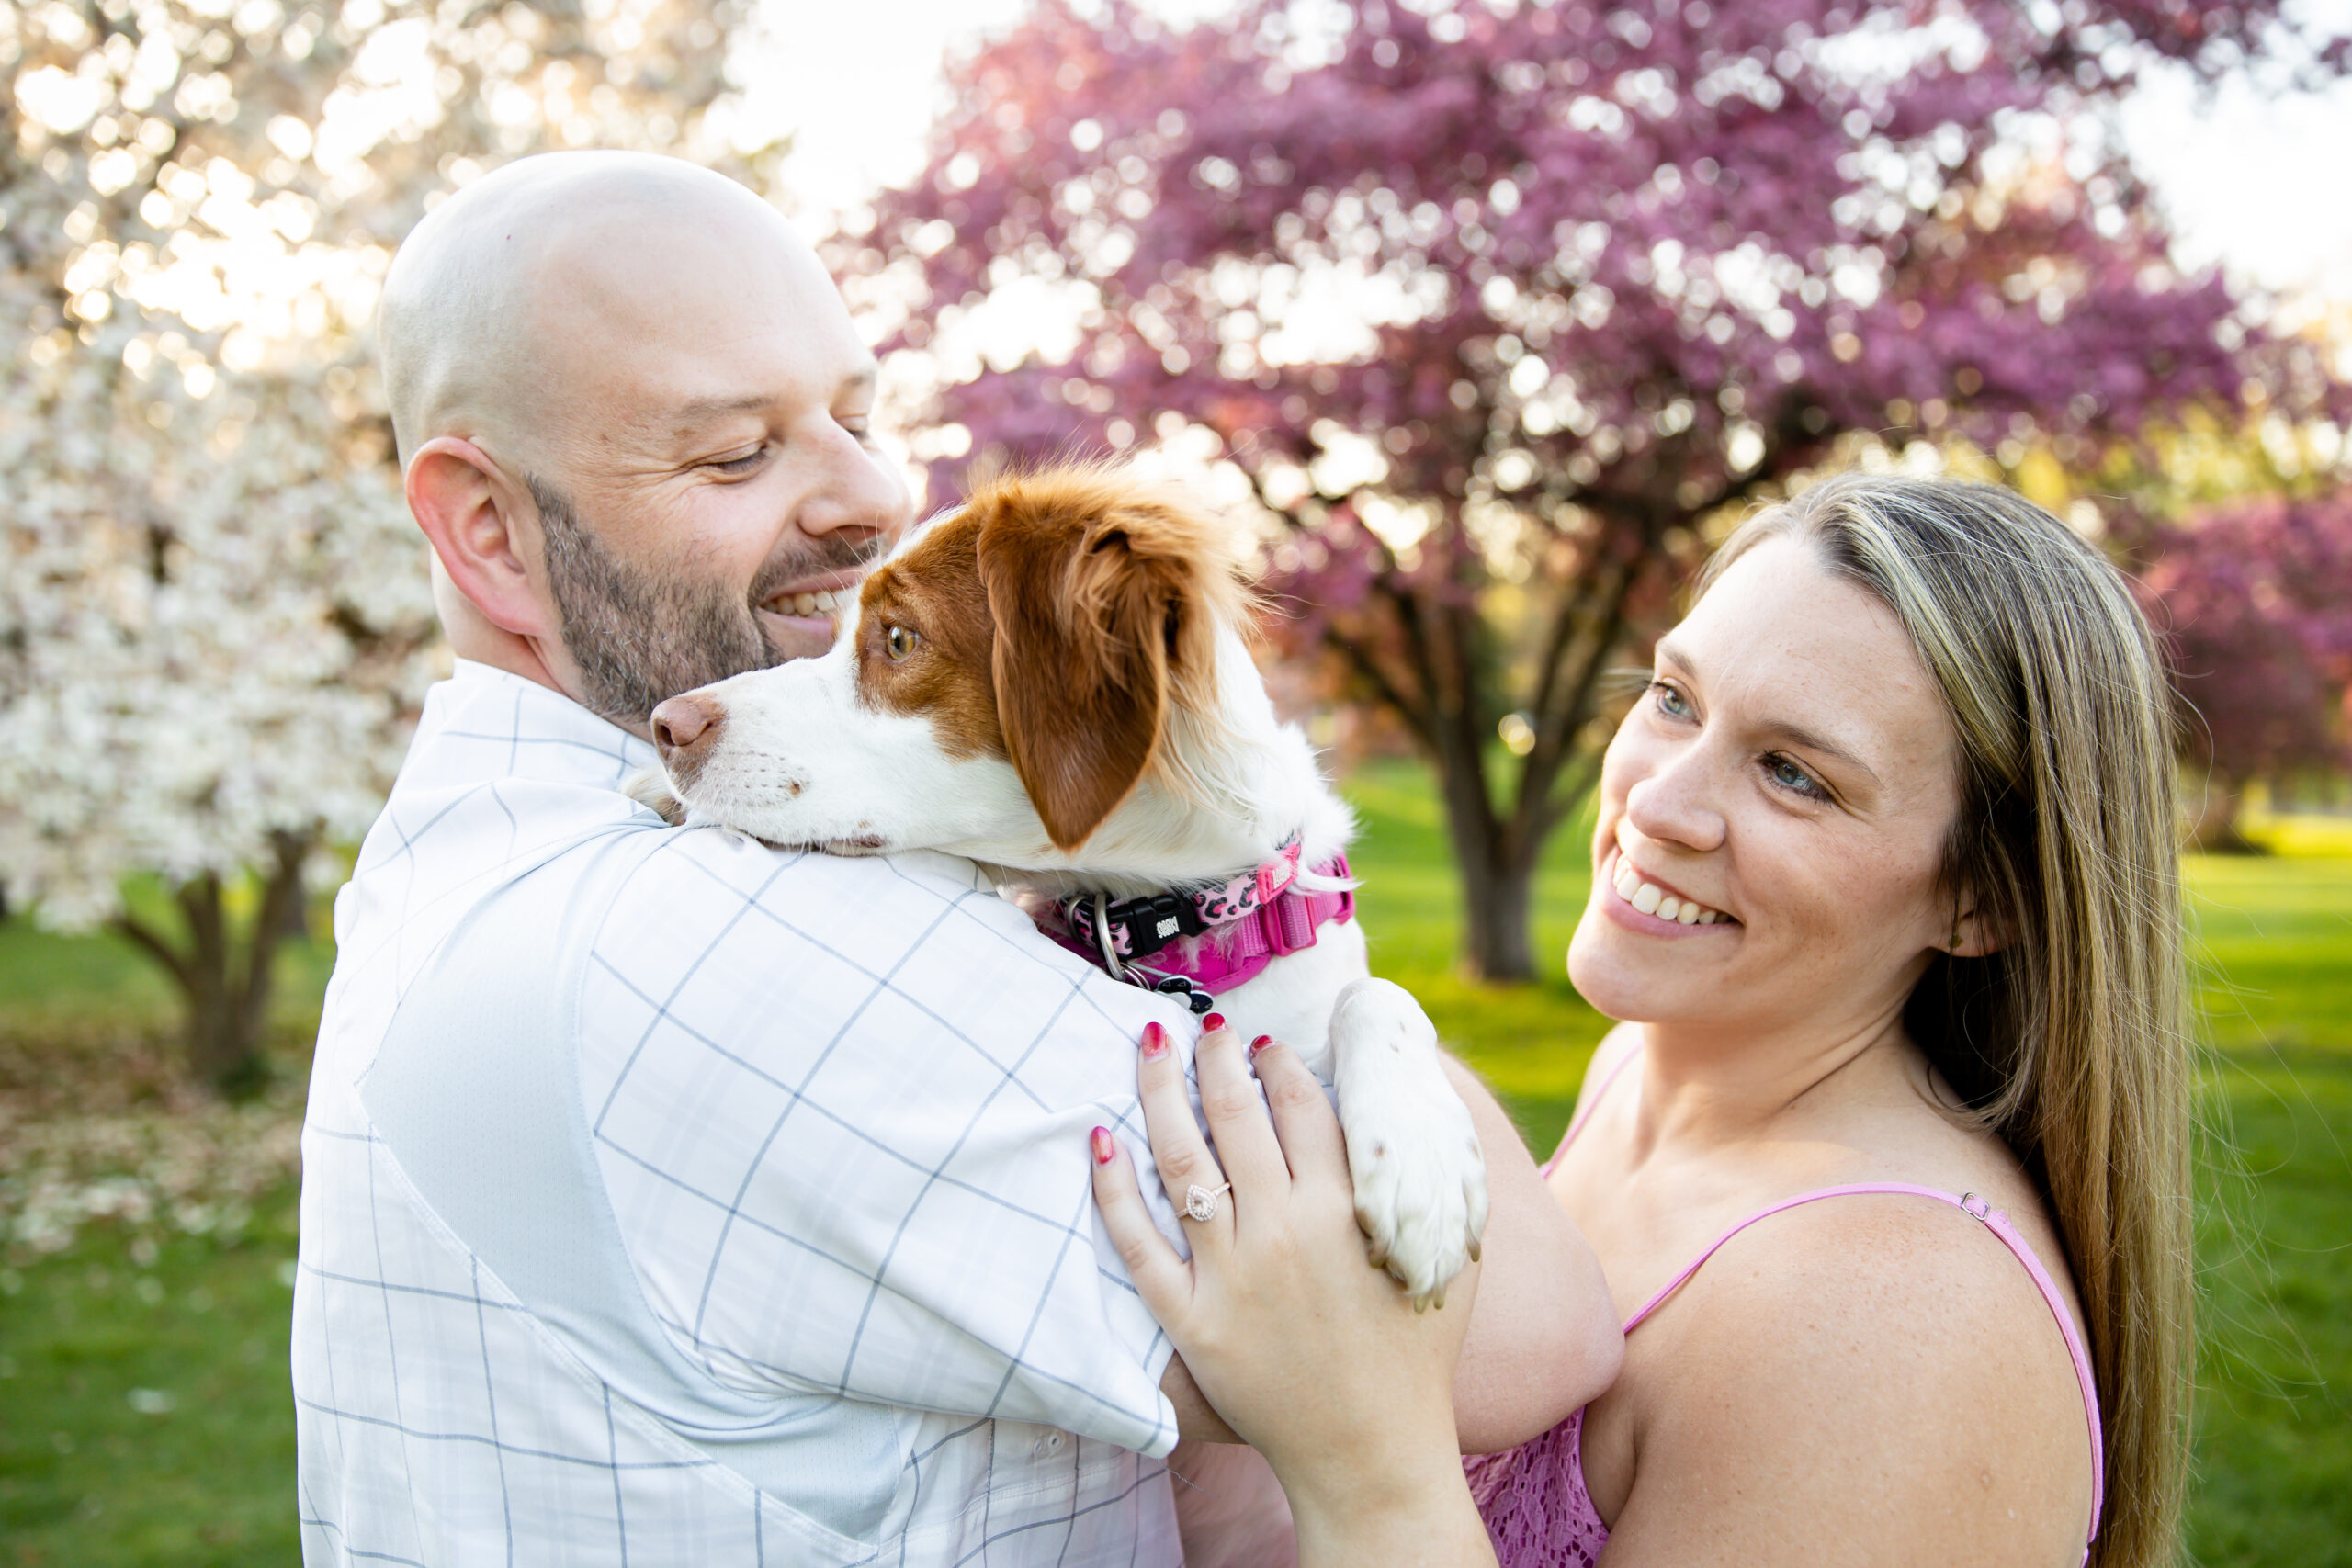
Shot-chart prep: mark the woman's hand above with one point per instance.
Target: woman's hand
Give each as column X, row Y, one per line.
column 1313, row 1357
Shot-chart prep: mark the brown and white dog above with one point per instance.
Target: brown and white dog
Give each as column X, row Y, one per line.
column 1052, row 681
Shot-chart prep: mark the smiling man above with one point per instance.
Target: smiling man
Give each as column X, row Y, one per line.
column 667, row 1197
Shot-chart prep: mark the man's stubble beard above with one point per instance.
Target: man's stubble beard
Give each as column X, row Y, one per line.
column 640, row 638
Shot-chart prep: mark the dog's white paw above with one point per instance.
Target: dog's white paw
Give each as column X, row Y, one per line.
column 649, row 787
column 1421, row 1176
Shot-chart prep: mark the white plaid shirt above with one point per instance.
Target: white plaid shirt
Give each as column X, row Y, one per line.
column 667, row 1199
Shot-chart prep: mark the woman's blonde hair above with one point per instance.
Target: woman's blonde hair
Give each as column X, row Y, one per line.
column 2071, row 1040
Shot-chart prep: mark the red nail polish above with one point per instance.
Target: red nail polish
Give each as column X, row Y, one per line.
column 1101, row 1141
column 1260, row 1043
column 1211, row 1023
column 1155, row 1040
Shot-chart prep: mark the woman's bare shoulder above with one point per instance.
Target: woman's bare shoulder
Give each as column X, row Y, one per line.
column 1858, row 1374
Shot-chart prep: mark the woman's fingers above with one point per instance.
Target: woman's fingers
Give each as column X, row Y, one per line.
column 1303, row 1119
column 1177, row 1146
column 1162, row 1279
column 1245, row 1146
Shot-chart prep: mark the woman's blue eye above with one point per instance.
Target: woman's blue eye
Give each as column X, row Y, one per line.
column 1789, row 776
column 1670, row 701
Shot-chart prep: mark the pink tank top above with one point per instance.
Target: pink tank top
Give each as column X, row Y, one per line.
column 1534, row 1498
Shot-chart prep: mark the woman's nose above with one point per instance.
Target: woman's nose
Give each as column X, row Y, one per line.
column 1679, row 801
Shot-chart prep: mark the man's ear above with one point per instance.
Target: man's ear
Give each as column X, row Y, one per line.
column 468, row 510
column 1085, row 627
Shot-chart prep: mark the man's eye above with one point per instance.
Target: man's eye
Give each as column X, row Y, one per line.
column 742, row 465
column 897, row 642
column 1670, row 700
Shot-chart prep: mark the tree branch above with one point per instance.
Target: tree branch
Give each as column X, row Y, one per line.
column 280, row 895
column 151, row 942
column 1415, row 716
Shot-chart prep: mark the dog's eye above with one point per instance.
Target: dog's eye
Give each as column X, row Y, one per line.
column 897, row 642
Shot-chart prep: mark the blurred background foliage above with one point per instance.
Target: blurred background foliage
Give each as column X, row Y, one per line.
column 1484, row 320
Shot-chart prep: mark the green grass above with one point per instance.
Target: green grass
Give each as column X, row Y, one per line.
column 2274, row 1415
column 91, row 1471
column 1530, row 1041
column 88, row 1479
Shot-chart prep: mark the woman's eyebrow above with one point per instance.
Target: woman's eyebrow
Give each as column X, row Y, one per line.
column 1814, row 740
column 1780, row 729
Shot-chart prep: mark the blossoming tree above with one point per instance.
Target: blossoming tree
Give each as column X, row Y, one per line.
column 2255, row 597
column 216, row 623
column 1496, row 308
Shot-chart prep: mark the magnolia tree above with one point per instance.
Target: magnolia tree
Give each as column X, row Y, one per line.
column 2255, row 598
column 216, row 623
column 1494, row 309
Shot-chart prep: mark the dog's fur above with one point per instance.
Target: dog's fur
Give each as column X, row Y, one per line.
column 1052, row 681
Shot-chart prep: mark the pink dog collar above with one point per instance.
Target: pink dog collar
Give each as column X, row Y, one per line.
column 1210, row 939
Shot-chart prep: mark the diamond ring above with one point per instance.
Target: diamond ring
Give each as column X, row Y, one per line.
column 1201, row 1202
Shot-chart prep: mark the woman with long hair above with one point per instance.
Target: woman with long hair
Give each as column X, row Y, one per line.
column 1887, row 1165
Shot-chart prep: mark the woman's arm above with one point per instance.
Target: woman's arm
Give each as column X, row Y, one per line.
column 1544, row 1337
column 1310, row 1354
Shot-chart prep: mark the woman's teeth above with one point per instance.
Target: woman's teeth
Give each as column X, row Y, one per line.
column 1646, row 897
column 824, row 603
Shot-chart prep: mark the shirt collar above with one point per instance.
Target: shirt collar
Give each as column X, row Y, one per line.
column 484, row 722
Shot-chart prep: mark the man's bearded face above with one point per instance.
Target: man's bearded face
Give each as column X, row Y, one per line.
column 641, row 636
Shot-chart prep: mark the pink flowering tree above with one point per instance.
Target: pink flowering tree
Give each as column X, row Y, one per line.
column 2255, row 598
column 1496, row 308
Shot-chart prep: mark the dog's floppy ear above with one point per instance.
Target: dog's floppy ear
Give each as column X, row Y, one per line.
column 1100, row 617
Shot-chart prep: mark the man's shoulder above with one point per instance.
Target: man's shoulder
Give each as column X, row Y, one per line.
column 695, row 873
column 727, row 924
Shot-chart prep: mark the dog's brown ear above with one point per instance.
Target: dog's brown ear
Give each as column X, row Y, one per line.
column 1099, row 616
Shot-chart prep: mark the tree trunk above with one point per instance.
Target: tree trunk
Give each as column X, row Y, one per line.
column 2215, row 828
column 1498, row 929
column 1497, row 876
column 224, row 984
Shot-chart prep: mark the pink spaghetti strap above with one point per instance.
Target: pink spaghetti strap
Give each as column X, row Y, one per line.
column 1993, row 1220
column 1584, row 1112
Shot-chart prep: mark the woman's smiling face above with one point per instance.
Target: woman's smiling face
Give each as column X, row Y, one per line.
column 1774, row 814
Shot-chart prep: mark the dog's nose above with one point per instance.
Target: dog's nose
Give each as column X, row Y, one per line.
column 686, row 728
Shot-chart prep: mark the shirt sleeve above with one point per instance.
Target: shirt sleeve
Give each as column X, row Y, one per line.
column 841, row 1107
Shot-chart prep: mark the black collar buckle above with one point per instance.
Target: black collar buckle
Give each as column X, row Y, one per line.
column 1152, row 922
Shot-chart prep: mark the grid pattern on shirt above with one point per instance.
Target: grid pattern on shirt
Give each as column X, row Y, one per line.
column 840, row 1108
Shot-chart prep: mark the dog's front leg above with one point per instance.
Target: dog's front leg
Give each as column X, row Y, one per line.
column 1421, row 1176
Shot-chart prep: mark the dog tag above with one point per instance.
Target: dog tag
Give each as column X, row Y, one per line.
column 1174, row 985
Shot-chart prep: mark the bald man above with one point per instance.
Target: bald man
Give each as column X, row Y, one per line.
column 668, row 1198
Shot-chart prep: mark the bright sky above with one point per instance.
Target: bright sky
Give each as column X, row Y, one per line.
column 2256, row 180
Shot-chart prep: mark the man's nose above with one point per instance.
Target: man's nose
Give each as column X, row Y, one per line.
column 686, row 730
column 865, row 498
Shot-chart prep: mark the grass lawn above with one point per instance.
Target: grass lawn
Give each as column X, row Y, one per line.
column 144, row 1410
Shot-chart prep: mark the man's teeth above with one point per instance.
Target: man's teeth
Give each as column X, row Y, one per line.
column 824, row 603
column 1650, row 899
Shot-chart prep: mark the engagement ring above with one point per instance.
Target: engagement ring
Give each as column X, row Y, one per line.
column 1201, row 1203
